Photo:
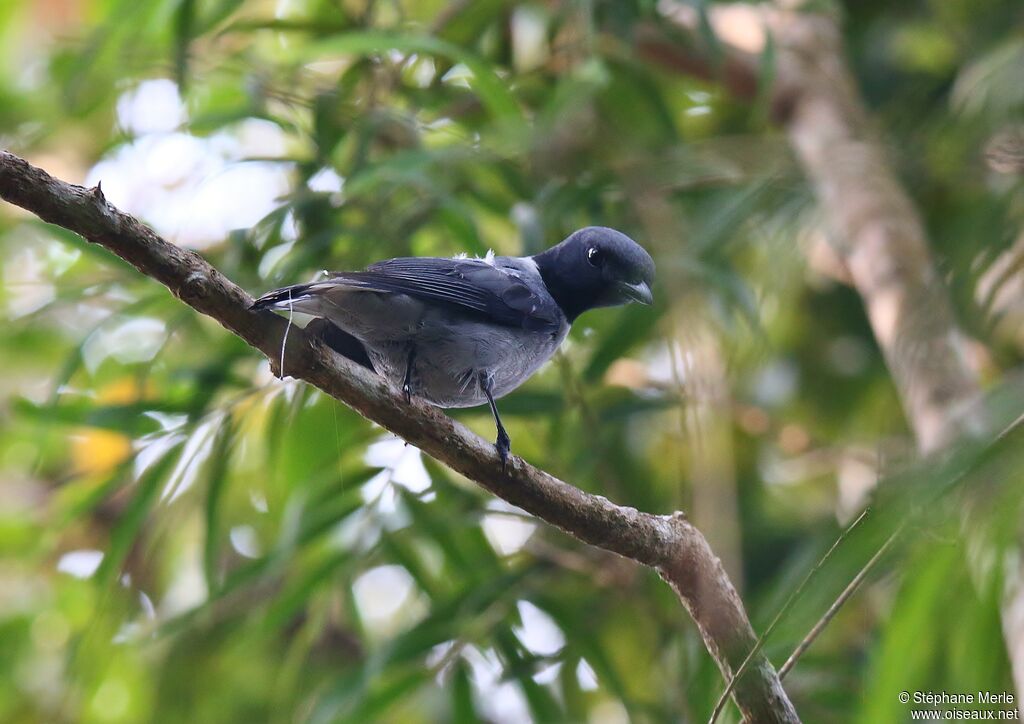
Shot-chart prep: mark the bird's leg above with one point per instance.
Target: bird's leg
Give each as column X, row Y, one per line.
column 503, row 443
column 407, row 383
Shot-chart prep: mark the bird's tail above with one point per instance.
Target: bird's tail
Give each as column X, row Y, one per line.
column 306, row 298
column 282, row 298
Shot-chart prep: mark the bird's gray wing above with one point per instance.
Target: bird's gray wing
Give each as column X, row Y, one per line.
column 500, row 295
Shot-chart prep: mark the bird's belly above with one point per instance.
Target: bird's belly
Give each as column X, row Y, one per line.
column 447, row 361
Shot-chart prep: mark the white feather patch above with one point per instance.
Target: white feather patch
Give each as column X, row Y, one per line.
column 487, row 259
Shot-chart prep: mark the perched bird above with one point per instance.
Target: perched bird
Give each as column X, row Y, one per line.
column 460, row 332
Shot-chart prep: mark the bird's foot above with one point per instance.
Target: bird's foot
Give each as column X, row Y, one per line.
column 407, row 393
column 504, row 447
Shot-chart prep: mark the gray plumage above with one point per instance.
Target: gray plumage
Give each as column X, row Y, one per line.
column 461, row 332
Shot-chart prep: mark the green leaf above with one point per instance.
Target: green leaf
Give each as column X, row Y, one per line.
column 217, row 479
column 126, row 530
column 184, row 21
column 463, row 710
column 493, row 91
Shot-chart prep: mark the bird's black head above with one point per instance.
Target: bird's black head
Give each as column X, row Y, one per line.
column 596, row 267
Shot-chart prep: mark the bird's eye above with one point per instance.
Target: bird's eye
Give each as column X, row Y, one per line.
column 594, row 256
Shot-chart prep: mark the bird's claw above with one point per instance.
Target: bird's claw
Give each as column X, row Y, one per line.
column 407, row 393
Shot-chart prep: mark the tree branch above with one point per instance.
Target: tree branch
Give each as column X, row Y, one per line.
column 668, row 544
column 878, row 232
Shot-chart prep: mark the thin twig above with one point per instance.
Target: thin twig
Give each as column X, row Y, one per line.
column 778, row 617
column 852, row 587
column 834, row 608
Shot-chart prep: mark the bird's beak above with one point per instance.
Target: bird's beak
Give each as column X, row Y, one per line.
column 637, row 292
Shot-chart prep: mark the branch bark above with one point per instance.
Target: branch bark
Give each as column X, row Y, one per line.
column 668, row 544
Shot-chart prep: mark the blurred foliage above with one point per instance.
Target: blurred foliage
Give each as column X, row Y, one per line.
column 185, row 538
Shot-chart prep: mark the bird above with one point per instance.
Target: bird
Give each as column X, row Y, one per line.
column 462, row 332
